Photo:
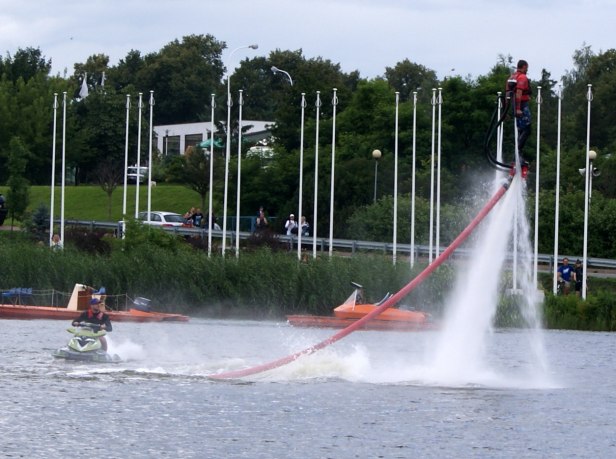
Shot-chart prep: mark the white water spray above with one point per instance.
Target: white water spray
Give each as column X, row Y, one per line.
column 460, row 355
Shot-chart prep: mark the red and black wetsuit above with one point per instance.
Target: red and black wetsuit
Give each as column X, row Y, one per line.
column 522, row 110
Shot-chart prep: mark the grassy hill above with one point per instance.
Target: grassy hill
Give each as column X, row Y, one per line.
column 90, row 202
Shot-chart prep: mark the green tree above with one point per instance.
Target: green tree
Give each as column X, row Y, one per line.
column 19, row 187
column 25, row 64
column 109, row 173
column 182, row 76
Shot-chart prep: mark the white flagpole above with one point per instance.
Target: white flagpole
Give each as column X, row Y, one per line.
column 438, row 176
column 536, row 261
column 499, row 131
column 53, row 168
column 209, row 217
column 316, row 175
column 63, row 169
column 515, row 214
column 139, row 158
column 331, row 193
column 587, row 179
column 239, row 176
column 227, row 158
column 150, row 154
column 557, row 197
column 499, row 138
column 395, row 223
column 431, row 236
column 301, row 178
column 124, row 198
column 413, row 181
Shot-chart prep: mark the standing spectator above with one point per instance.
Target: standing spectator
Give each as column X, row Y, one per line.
column 215, row 226
column 564, row 275
column 188, row 216
column 261, row 222
column 305, row 227
column 2, row 201
column 578, row 277
column 197, row 217
column 291, row 225
column 56, row 243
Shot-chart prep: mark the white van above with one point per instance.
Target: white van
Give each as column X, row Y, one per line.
column 132, row 172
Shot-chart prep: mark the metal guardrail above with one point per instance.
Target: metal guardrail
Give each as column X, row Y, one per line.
column 349, row 245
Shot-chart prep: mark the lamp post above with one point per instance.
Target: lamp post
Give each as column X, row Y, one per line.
column 588, row 174
column 277, row 70
column 376, row 154
column 228, row 148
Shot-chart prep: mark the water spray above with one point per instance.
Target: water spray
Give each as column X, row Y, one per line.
column 391, row 301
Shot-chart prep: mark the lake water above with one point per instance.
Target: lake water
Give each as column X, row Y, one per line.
column 371, row 395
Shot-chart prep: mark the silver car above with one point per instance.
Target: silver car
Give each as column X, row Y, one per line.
column 162, row 219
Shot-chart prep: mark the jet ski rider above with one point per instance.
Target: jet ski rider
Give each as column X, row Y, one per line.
column 94, row 315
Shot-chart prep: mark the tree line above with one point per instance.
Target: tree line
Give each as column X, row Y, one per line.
column 184, row 74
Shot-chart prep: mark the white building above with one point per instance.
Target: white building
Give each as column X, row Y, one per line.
column 174, row 139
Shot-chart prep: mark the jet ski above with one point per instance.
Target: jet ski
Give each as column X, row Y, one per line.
column 85, row 345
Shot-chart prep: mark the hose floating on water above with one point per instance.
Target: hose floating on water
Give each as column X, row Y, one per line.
column 391, row 301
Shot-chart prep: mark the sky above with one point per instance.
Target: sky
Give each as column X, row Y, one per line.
column 451, row 37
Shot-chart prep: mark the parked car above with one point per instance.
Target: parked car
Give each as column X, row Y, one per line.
column 131, row 174
column 162, row 219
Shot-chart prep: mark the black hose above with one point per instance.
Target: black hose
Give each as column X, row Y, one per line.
column 495, row 122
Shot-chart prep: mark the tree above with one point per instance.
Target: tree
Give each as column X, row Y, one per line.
column 196, row 171
column 109, row 173
column 25, row 64
column 19, row 188
column 182, row 76
column 407, row 77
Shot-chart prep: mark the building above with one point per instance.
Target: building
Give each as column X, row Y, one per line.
column 174, row 139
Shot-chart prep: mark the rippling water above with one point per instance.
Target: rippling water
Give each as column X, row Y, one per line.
column 365, row 397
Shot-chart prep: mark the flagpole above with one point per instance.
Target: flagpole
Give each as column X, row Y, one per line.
column 240, row 103
column 316, row 175
column 125, row 191
column 438, row 176
column 431, row 234
column 395, row 235
column 63, row 169
column 557, row 197
column 587, row 178
column 53, row 168
column 301, row 177
column 535, row 264
column 331, row 192
column 209, row 217
column 150, row 154
column 412, row 254
column 139, row 159
column 228, row 149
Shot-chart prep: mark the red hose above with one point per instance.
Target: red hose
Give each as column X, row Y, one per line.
column 387, row 304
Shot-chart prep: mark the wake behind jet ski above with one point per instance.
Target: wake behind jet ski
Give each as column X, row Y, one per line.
column 85, row 345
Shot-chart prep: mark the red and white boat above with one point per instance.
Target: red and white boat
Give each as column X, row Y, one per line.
column 78, row 302
column 354, row 309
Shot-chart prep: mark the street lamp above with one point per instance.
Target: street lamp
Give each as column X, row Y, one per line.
column 277, row 70
column 594, row 172
column 228, row 147
column 376, row 154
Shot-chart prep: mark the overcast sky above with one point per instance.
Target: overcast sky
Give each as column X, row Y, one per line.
column 448, row 36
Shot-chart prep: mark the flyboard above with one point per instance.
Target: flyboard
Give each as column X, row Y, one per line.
column 394, row 299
